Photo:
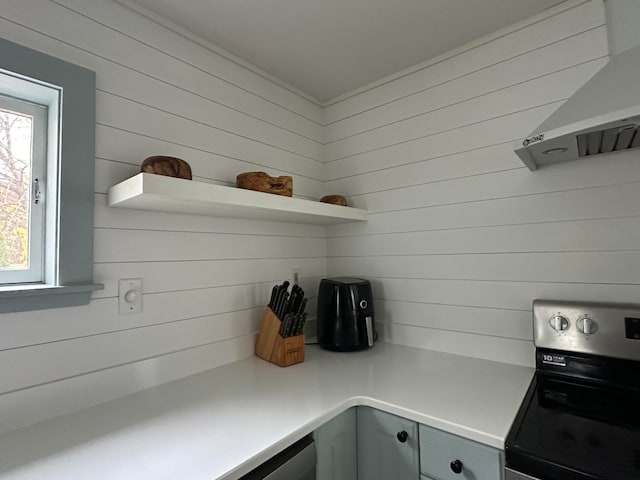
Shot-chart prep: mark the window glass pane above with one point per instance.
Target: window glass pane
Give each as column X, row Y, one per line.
column 16, row 140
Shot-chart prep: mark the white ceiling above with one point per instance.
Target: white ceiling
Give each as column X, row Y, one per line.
column 329, row 47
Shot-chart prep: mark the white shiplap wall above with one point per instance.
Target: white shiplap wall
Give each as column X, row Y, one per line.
column 461, row 236
column 205, row 279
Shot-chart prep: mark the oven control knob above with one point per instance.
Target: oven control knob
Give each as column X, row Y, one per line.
column 586, row 325
column 559, row 323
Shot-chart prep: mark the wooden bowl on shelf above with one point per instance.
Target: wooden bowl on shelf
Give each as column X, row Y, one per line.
column 167, row 166
column 334, row 200
column 263, row 182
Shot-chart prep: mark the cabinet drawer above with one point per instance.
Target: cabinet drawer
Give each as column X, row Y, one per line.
column 439, row 449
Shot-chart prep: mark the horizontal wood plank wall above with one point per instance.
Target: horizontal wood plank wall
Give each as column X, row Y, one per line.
column 206, row 280
column 461, row 236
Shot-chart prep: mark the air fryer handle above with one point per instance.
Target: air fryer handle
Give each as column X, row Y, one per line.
column 369, row 324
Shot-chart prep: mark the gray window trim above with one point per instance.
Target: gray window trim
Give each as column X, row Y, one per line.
column 73, row 281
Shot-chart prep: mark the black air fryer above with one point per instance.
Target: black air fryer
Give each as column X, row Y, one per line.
column 345, row 314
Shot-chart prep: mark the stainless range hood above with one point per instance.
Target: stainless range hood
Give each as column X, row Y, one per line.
column 602, row 116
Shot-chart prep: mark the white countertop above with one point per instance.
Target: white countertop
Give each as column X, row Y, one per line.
column 222, row 423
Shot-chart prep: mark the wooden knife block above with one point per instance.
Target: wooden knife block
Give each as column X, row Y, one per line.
column 275, row 349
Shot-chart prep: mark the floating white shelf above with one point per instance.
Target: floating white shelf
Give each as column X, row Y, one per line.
column 159, row 193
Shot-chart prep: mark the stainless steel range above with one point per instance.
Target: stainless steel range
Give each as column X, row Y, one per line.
column 580, row 418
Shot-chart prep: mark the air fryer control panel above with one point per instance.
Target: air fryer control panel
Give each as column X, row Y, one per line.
column 610, row 330
column 362, row 302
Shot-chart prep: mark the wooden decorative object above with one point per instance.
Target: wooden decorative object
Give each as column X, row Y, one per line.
column 167, row 166
column 335, row 200
column 263, row 182
column 273, row 348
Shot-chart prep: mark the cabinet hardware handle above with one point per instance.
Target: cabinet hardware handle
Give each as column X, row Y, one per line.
column 402, row 436
column 456, row 466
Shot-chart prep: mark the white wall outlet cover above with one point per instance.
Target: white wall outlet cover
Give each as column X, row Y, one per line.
column 295, row 275
column 129, row 296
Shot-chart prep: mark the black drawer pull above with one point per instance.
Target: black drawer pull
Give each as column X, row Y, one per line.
column 402, row 436
column 456, row 466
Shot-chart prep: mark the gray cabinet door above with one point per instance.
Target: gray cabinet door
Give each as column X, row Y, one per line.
column 381, row 455
column 336, row 448
column 439, row 449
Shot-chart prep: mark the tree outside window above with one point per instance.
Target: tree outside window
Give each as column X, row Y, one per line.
column 16, row 132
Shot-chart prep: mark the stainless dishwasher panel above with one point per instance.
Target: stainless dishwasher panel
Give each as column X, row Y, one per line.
column 513, row 475
column 297, row 462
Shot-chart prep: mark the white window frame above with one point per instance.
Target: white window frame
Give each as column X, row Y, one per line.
column 35, row 273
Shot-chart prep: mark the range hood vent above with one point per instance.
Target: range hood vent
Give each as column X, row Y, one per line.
column 603, row 116
column 606, row 141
